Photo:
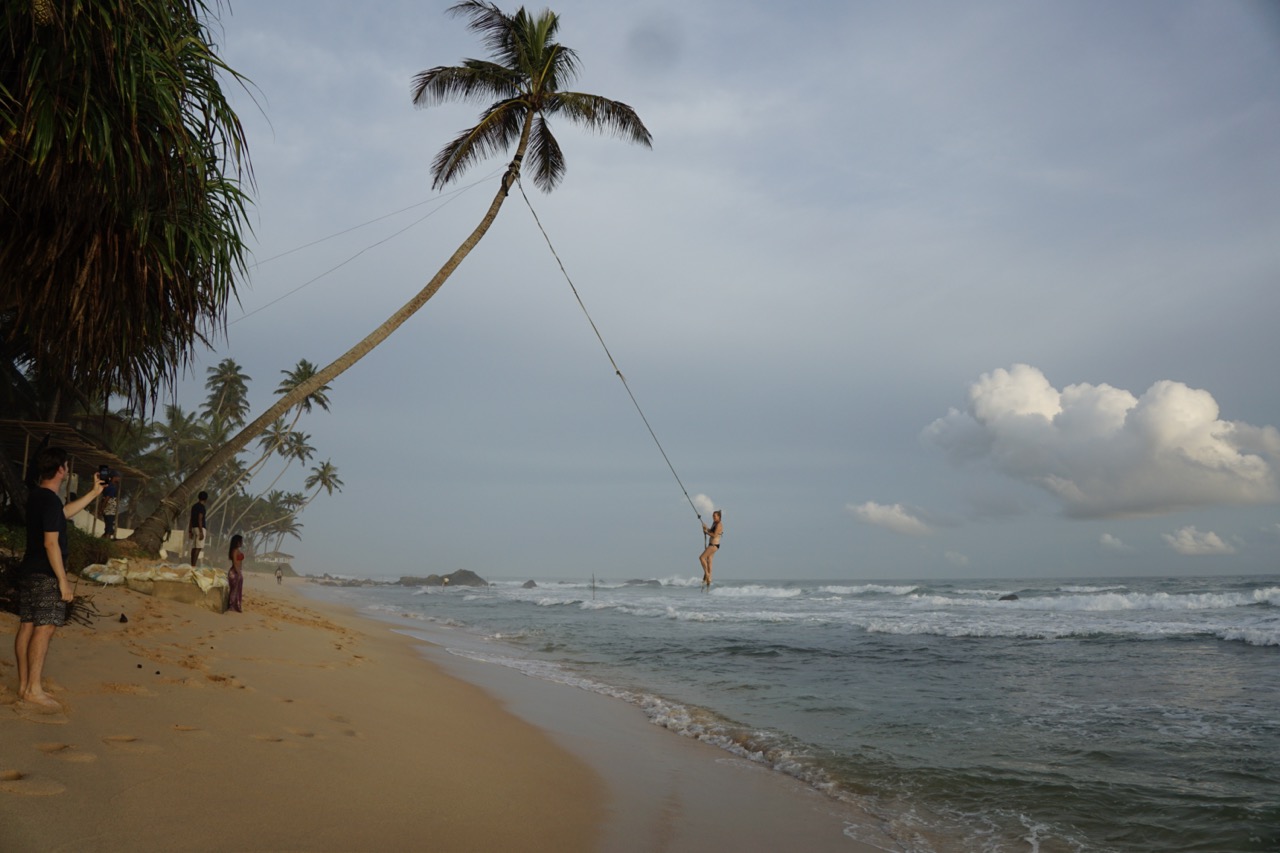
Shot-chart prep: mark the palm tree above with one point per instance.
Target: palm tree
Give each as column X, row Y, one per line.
column 323, row 478
column 297, row 448
column 526, row 73
column 303, row 371
column 122, row 170
column 228, row 387
column 176, row 439
column 273, row 438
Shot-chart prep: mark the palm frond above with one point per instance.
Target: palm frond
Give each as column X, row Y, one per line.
column 547, row 158
column 473, row 80
column 498, row 128
column 124, row 179
column 601, row 115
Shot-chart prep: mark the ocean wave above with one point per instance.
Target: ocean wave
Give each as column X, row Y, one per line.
column 864, row 589
column 1091, row 588
column 681, row 580
column 756, row 591
column 546, row 601
column 1252, row 636
column 1046, row 630
column 1112, row 601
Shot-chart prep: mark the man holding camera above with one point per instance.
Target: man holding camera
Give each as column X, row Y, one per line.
column 44, row 592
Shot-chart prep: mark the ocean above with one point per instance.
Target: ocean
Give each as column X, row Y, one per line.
column 1118, row 714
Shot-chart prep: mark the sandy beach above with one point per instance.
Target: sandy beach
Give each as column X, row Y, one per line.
column 298, row 725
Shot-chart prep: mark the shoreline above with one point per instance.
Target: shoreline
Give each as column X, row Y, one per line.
column 302, row 724
column 667, row 791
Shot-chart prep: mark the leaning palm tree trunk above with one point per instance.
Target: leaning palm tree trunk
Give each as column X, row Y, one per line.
column 526, row 75
column 152, row 532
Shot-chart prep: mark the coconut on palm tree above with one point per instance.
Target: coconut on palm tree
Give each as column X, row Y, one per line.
column 526, row 74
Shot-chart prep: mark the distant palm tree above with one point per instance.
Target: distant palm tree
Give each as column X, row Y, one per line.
column 228, row 387
column 176, row 439
column 297, row 448
column 323, row 478
column 526, row 75
column 301, row 373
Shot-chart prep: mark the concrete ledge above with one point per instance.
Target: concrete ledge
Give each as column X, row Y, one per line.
column 144, row 587
column 188, row 593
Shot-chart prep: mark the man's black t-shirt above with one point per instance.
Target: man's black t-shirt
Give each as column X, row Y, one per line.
column 197, row 517
column 44, row 515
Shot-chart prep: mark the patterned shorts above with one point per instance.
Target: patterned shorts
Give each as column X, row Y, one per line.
column 40, row 601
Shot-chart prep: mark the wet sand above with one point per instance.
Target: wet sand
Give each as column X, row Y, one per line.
column 299, row 725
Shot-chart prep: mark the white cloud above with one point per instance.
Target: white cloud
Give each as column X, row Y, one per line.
column 1192, row 543
column 896, row 518
column 1104, row 453
column 705, row 505
column 1113, row 543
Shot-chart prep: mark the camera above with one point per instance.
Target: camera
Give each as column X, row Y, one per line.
column 105, row 474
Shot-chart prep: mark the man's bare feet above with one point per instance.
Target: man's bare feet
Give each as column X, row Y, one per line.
column 42, row 700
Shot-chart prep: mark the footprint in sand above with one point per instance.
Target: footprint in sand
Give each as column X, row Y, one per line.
column 341, row 720
column 40, row 714
column 130, row 743
column 66, row 752
column 131, row 689
column 17, row 782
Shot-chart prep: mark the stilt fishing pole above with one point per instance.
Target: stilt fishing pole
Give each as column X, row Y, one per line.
column 600, row 338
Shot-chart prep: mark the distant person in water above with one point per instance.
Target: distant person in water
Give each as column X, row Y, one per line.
column 715, row 531
column 235, row 574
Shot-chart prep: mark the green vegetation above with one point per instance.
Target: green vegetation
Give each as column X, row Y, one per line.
column 166, row 450
column 123, row 171
column 82, row 549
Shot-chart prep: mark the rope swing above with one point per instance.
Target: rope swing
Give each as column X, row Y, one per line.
column 600, row 338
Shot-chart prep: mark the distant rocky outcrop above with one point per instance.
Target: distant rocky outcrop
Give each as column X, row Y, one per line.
column 329, row 580
column 643, row 583
column 529, row 584
column 1009, row 597
column 462, row 577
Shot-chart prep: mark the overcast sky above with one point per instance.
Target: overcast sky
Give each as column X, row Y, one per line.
column 910, row 289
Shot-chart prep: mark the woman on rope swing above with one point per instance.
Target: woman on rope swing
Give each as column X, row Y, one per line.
column 715, row 531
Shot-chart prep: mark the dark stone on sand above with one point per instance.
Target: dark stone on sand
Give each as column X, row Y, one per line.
column 124, row 618
column 1009, row 597
column 529, row 584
